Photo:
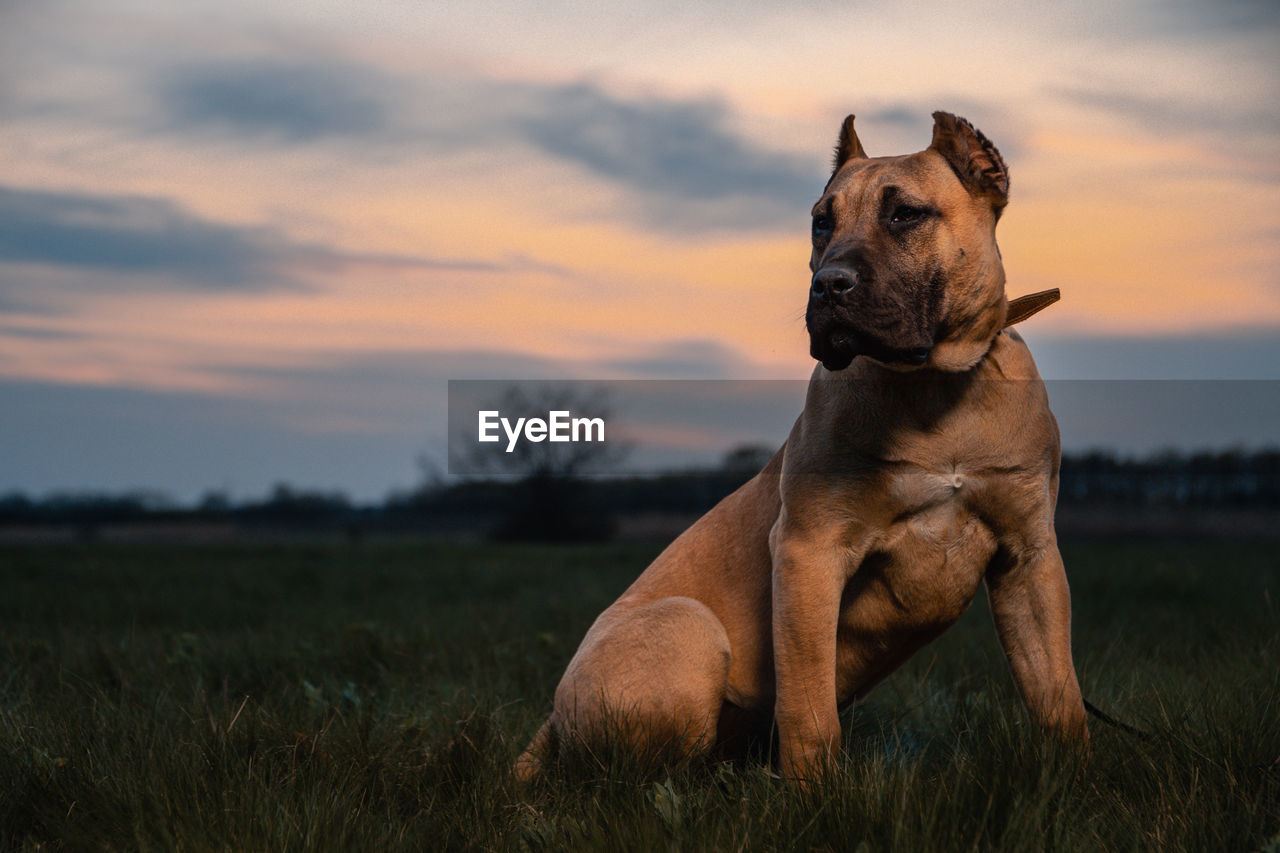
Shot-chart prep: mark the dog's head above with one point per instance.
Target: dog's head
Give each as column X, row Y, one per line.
column 905, row 265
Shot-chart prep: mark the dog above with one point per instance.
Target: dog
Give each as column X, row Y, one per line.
column 924, row 464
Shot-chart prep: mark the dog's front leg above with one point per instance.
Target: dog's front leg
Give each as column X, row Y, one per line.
column 808, row 579
column 1032, row 609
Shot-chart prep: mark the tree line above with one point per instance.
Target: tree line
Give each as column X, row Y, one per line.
column 562, row 505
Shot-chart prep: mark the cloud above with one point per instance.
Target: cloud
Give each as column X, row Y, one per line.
column 90, row 438
column 1196, row 16
column 697, row 358
column 690, row 168
column 389, row 380
column 354, row 422
column 673, row 148
column 339, row 422
column 36, row 333
column 1236, row 139
column 140, row 237
column 1248, row 354
column 59, row 242
column 510, row 262
column 14, row 302
column 292, row 103
column 900, row 114
column 1178, row 114
column 681, row 161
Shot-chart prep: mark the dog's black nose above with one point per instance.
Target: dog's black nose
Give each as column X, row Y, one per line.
column 832, row 282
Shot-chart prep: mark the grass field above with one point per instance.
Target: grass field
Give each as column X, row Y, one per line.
column 373, row 697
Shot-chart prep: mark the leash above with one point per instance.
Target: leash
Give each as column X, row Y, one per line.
column 1111, row 721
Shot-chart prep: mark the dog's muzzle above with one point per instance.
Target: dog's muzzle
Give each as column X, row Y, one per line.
column 833, row 345
column 832, row 339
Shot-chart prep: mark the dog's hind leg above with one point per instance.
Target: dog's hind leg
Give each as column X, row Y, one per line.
column 651, row 674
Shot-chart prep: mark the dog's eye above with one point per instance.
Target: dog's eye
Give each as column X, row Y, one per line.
column 822, row 225
column 905, row 214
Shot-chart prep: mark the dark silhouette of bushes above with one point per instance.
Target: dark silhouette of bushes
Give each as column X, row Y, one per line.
column 550, row 505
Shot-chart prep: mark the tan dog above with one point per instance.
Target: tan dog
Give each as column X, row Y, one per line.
column 914, row 473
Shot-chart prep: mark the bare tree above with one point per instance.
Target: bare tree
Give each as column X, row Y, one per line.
column 550, row 493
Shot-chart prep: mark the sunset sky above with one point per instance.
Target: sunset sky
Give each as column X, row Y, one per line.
column 243, row 243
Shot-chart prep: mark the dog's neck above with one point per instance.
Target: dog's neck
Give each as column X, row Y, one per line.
column 1018, row 310
column 970, row 340
column 1033, row 303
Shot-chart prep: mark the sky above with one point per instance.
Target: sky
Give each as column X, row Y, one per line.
column 247, row 243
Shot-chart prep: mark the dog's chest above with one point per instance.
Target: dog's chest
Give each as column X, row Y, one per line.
column 935, row 491
column 932, row 554
column 931, row 502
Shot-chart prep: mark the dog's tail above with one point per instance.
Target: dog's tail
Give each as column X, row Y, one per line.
column 1111, row 721
column 529, row 764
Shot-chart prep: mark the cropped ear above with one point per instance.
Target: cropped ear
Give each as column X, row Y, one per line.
column 975, row 160
column 848, row 147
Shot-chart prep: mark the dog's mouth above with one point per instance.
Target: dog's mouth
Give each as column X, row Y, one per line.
column 837, row 351
column 838, row 346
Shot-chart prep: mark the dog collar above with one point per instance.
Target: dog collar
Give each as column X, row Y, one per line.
column 1033, row 303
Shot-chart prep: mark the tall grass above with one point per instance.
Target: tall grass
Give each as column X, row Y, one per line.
column 374, row 697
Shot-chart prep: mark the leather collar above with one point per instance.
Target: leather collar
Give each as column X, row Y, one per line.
column 1033, row 303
